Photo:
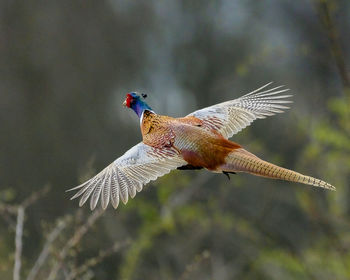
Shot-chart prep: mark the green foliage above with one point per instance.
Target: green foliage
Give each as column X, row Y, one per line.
column 277, row 264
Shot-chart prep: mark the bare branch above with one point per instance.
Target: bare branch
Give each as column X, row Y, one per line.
column 45, row 251
column 96, row 260
column 325, row 15
column 194, row 265
column 18, row 243
column 13, row 208
column 78, row 234
column 35, row 196
column 8, row 208
column 9, row 219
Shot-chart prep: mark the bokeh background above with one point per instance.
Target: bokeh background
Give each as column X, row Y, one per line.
column 65, row 67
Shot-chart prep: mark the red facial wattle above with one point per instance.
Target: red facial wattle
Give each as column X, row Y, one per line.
column 128, row 100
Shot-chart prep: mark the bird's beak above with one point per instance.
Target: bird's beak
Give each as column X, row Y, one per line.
column 124, row 103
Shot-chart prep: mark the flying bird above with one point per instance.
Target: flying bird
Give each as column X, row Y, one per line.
column 198, row 140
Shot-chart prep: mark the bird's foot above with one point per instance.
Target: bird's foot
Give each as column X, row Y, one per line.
column 228, row 174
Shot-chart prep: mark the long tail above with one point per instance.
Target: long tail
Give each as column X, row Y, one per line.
column 241, row 160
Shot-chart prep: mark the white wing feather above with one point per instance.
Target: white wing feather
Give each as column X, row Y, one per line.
column 232, row 116
column 127, row 175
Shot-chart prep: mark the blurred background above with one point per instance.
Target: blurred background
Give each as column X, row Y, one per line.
column 65, row 67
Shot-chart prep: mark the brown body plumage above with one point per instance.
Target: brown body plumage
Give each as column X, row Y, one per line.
column 205, row 147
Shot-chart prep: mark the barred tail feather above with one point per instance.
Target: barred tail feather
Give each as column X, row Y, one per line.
column 242, row 161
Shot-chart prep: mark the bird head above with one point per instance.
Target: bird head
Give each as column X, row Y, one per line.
column 134, row 101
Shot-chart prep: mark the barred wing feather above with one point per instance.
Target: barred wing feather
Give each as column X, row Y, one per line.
column 232, row 116
column 127, row 175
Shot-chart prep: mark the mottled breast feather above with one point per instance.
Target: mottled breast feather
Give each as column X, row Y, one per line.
column 156, row 130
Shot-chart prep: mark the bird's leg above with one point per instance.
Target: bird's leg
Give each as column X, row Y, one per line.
column 228, row 174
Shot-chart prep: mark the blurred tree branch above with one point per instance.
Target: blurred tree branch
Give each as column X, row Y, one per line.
column 73, row 241
column 324, row 8
column 13, row 208
column 96, row 260
column 194, row 265
column 18, row 243
column 45, row 251
column 20, row 211
column 35, row 196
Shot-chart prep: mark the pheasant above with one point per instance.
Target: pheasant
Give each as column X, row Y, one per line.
column 198, row 140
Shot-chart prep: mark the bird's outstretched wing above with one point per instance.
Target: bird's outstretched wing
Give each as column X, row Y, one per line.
column 127, row 175
column 232, row 116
